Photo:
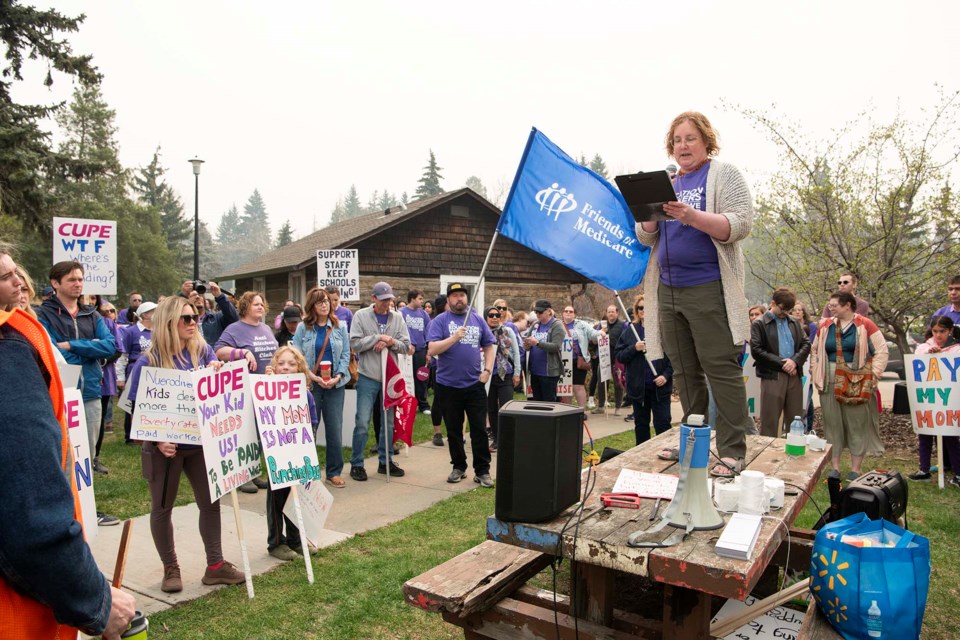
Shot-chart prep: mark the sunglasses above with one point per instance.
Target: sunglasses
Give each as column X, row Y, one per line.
column 501, row 308
column 110, row 310
column 493, row 315
column 843, row 282
column 189, row 319
column 136, row 300
column 640, row 308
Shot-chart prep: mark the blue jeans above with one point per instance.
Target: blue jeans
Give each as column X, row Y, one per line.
column 367, row 390
column 330, row 408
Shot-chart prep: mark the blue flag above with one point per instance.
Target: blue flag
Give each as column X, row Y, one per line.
column 570, row 214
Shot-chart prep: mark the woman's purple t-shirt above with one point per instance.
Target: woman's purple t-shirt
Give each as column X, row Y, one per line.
column 688, row 256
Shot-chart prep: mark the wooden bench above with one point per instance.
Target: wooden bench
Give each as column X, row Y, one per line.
column 475, row 580
column 816, row 627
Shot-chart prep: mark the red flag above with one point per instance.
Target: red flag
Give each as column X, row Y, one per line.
column 404, row 404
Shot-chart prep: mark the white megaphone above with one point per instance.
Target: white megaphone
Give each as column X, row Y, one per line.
column 691, row 507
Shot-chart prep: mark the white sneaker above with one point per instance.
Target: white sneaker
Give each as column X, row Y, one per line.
column 591, row 404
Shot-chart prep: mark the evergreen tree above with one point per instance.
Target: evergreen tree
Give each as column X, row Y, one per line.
column 373, row 202
column 429, row 184
column 144, row 260
column 285, row 235
column 598, row 166
column 230, row 239
column 177, row 227
column 386, row 201
column 404, row 198
column 255, row 227
column 26, row 156
column 339, row 212
column 351, row 206
column 210, row 259
column 582, row 160
column 474, row 183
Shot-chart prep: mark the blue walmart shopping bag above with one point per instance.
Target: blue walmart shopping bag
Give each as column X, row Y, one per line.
column 870, row 578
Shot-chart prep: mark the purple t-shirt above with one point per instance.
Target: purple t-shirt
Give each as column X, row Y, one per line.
column 108, row 386
column 417, row 321
column 258, row 339
column 688, row 256
column 459, row 366
column 344, row 315
column 133, row 341
column 538, row 357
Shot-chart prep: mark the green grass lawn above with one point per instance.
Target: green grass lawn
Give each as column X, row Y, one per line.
column 357, row 593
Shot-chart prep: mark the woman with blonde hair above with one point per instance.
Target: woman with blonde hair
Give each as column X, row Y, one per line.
column 178, row 344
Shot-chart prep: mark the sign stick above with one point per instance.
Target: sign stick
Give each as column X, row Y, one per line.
column 243, row 545
column 388, row 446
column 121, row 564
column 303, row 536
column 940, row 470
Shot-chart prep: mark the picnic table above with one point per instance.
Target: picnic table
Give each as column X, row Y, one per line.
column 484, row 589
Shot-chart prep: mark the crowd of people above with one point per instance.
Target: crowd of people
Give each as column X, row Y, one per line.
column 690, row 329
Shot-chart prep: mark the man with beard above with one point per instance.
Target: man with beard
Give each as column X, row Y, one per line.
column 458, row 337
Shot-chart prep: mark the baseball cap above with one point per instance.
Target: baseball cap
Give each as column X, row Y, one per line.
column 47, row 291
column 454, row 287
column 291, row 313
column 145, row 308
column 383, row 291
column 542, row 305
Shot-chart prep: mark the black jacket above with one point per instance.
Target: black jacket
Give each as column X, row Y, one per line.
column 636, row 363
column 765, row 345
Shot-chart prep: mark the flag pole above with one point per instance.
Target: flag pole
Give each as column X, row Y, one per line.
column 387, row 446
column 634, row 329
column 483, row 272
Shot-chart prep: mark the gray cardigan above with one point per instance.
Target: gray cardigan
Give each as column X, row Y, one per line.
column 364, row 334
column 727, row 195
column 552, row 345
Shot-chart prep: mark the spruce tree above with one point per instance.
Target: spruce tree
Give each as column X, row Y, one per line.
column 598, row 166
column 177, row 227
column 429, row 184
column 230, row 239
column 351, row 206
column 339, row 212
column 255, row 226
column 474, row 183
column 284, row 235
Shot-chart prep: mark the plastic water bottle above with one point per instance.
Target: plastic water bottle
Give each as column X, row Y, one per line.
column 796, row 439
column 874, row 624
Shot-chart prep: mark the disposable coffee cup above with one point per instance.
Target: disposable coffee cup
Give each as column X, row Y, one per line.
column 325, row 369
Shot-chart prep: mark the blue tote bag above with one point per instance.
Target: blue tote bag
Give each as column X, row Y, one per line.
column 870, row 578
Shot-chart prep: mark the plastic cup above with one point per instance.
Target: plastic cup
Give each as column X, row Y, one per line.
column 325, row 367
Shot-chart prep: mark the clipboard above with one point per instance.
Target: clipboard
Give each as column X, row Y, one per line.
column 645, row 193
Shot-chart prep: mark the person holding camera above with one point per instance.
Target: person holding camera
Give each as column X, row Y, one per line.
column 212, row 324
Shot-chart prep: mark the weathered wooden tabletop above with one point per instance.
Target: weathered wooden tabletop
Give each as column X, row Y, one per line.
column 601, row 539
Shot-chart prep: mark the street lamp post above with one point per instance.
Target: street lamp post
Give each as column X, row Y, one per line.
column 196, row 162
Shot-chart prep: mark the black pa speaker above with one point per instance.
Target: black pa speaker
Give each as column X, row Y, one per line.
column 879, row 494
column 539, row 455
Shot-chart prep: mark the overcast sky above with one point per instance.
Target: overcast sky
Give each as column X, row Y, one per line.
column 303, row 99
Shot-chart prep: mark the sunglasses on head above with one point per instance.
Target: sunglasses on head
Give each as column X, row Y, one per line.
column 188, row 318
column 493, row 315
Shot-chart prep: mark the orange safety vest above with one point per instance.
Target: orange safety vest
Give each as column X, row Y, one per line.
column 21, row 617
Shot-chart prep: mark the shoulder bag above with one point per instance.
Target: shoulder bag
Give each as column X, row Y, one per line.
column 852, row 386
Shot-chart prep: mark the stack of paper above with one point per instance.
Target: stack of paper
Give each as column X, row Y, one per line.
column 739, row 536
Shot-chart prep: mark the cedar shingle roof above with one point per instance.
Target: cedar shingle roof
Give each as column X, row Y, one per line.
column 344, row 234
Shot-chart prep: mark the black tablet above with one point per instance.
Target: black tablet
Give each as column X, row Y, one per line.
column 646, row 193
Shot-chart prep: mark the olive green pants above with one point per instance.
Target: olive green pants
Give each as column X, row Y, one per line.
column 697, row 339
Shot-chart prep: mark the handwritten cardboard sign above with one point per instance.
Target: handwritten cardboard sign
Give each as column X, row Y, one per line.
column 933, row 393
column 227, row 430
column 340, row 268
column 82, row 463
column 781, row 623
column 286, row 432
column 165, row 409
column 606, row 358
column 92, row 243
column 315, row 504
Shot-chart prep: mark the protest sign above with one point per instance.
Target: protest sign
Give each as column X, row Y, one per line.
column 92, row 243
column 69, row 374
column 340, row 268
column 165, row 410
column 606, row 362
column 931, row 381
column 405, row 362
column 752, row 383
column 82, row 464
column 781, row 623
column 565, row 386
column 315, row 504
column 286, row 432
column 227, row 430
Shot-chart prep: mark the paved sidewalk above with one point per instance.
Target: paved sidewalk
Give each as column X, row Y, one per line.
column 423, row 485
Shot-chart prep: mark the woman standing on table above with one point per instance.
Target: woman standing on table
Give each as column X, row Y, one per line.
column 251, row 340
column 177, row 344
column 322, row 337
column 852, row 426
column 694, row 284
